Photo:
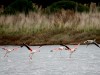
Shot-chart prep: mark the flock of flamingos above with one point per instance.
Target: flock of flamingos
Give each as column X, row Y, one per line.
column 62, row 47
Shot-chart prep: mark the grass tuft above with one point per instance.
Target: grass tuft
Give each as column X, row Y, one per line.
column 39, row 28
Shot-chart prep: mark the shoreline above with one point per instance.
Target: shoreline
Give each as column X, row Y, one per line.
column 36, row 40
column 43, row 44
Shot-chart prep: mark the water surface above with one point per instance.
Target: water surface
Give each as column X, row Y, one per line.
column 85, row 61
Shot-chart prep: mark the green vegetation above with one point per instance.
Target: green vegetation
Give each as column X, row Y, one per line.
column 71, row 5
column 20, row 6
column 38, row 28
column 26, row 6
column 65, row 25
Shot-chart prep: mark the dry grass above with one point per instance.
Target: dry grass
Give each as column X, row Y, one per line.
column 65, row 26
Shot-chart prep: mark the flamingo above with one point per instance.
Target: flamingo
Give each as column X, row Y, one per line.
column 71, row 50
column 88, row 42
column 57, row 49
column 32, row 51
column 9, row 50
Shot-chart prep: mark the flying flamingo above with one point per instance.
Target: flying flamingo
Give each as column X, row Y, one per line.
column 71, row 50
column 32, row 51
column 9, row 50
column 58, row 49
column 88, row 42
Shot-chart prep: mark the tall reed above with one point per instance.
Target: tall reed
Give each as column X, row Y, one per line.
column 64, row 23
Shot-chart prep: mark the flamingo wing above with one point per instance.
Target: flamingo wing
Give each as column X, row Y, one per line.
column 27, row 46
column 4, row 48
column 38, row 49
column 96, row 44
column 16, row 48
column 76, row 46
column 65, row 46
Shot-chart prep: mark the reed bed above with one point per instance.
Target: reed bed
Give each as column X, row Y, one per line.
column 38, row 28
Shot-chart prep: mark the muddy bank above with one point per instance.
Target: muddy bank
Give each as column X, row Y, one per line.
column 45, row 40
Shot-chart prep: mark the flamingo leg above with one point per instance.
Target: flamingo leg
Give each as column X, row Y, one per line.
column 87, row 45
column 70, row 54
column 54, row 54
column 31, row 55
column 6, row 54
column 61, row 54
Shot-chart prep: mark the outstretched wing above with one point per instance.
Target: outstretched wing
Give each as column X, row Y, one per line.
column 4, row 48
column 38, row 49
column 27, row 46
column 65, row 46
column 76, row 46
column 16, row 48
column 96, row 44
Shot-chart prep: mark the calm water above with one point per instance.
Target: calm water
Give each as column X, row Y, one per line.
column 85, row 61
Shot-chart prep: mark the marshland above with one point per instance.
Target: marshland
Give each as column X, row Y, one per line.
column 38, row 28
column 33, row 34
column 63, row 26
